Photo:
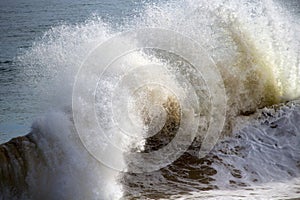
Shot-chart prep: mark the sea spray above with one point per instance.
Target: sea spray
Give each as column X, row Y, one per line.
column 255, row 46
column 50, row 163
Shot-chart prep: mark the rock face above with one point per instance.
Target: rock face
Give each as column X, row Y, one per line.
column 51, row 163
column 17, row 158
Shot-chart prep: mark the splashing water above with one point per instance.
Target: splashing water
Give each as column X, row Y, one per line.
column 254, row 45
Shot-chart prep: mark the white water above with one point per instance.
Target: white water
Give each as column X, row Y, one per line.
column 254, row 44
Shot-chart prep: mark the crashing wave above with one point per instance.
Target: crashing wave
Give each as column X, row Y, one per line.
column 256, row 49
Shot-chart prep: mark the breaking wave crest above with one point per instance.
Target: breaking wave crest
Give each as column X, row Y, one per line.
column 253, row 45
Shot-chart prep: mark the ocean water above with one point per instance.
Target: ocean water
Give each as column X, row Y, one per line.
column 24, row 23
column 150, row 99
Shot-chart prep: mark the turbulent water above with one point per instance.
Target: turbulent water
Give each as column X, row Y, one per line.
column 237, row 78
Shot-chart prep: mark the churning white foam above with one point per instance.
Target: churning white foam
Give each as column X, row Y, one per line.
column 254, row 44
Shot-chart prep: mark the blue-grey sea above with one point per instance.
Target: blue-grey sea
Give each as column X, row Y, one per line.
column 22, row 24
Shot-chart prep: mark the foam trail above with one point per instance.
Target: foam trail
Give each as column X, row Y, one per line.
column 255, row 162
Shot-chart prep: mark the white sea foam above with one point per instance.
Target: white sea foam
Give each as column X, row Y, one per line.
column 254, row 44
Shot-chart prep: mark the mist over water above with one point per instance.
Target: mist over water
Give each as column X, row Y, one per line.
column 254, row 45
column 26, row 24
